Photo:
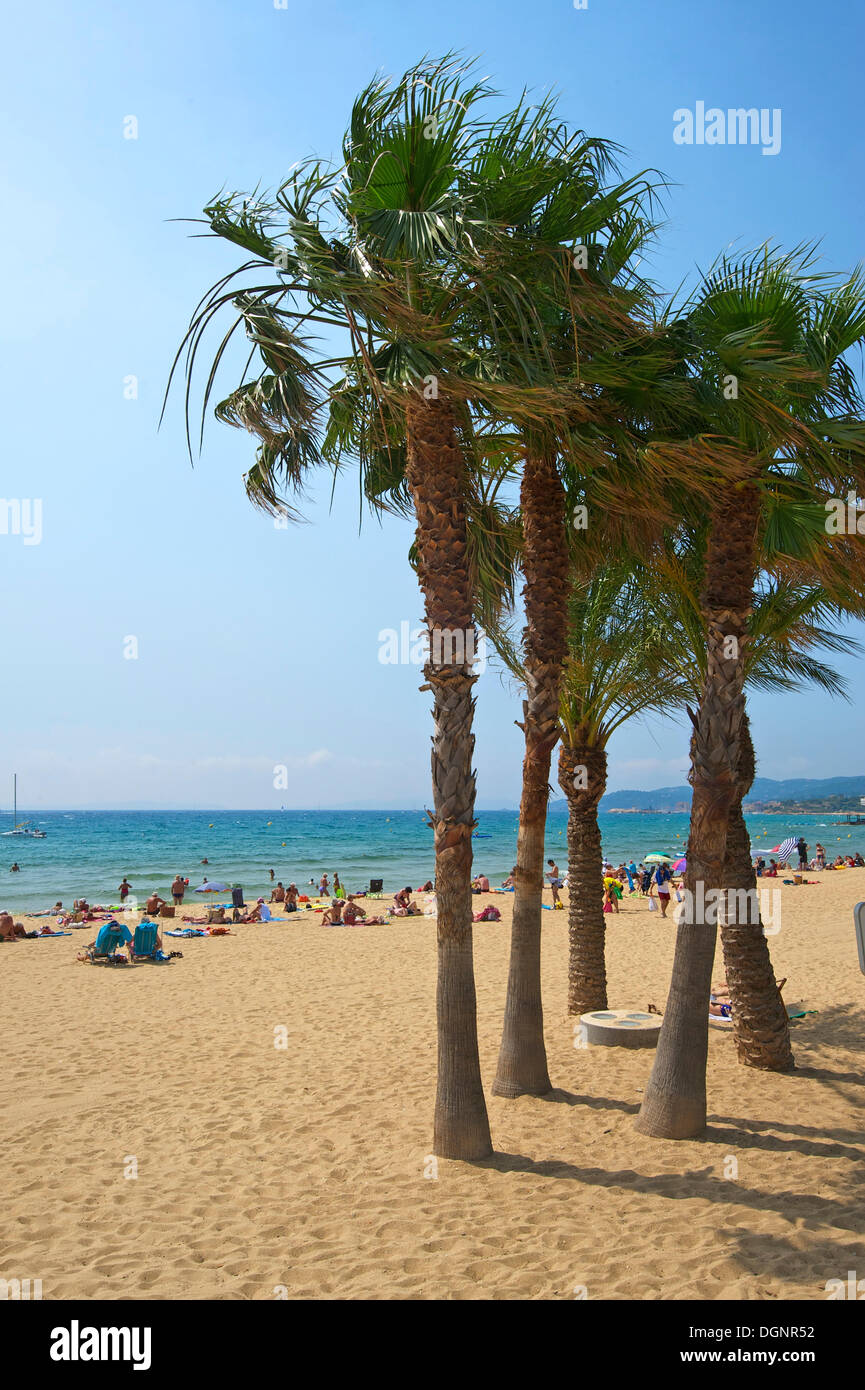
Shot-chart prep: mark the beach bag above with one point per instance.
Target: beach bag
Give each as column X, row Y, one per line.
column 166, row 911
column 608, row 907
column 653, row 904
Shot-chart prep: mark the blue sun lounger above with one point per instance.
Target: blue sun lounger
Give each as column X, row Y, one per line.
column 144, row 943
column 109, row 939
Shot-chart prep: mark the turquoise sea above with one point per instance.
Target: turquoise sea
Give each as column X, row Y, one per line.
column 88, row 852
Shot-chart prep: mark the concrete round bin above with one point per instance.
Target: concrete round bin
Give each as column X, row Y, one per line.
column 619, row 1028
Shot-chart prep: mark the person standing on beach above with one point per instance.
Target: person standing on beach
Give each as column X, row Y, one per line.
column 323, row 889
column 338, row 890
column 662, row 883
column 124, row 890
column 178, row 888
column 821, row 855
column 803, row 852
column 555, row 880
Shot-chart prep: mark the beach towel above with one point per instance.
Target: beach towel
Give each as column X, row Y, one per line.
column 41, row 936
column 186, row 931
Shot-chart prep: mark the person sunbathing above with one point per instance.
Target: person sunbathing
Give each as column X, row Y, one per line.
column 154, row 904
column 403, row 905
column 481, row 884
column 353, row 915
column 332, row 916
column 9, row 929
column 291, row 898
column 720, row 1000
column 278, row 894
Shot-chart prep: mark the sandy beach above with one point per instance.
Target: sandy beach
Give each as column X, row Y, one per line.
column 303, row 1170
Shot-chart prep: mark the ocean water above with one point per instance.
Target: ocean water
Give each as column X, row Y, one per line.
column 88, row 852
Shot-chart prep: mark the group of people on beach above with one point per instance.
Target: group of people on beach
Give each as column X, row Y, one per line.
column 817, row 864
column 654, row 881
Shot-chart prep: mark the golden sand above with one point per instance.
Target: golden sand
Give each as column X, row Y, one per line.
column 304, row 1170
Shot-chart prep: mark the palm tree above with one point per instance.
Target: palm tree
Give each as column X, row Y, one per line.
column 617, row 668
column 552, row 188
column 361, row 247
column 768, row 345
column 788, row 623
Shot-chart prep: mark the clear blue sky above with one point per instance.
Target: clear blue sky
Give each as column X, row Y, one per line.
column 256, row 646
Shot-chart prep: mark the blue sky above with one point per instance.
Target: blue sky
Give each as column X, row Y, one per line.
column 259, row 647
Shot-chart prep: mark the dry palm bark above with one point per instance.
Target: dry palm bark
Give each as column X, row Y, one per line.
column 522, row 1065
column 583, row 777
column 436, row 473
column 674, row 1104
column 761, row 1027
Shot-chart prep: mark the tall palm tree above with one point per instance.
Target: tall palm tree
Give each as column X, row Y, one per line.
column 769, row 341
column 617, row 669
column 551, row 187
column 790, row 621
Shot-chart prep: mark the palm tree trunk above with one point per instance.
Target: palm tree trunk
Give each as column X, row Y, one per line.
column 583, row 778
column 522, row 1067
column 436, row 473
column 674, row 1104
column 760, row 1024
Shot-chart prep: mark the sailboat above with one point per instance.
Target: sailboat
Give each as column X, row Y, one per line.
column 21, row 828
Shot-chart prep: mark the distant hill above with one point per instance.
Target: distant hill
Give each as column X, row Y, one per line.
column 765, row 789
